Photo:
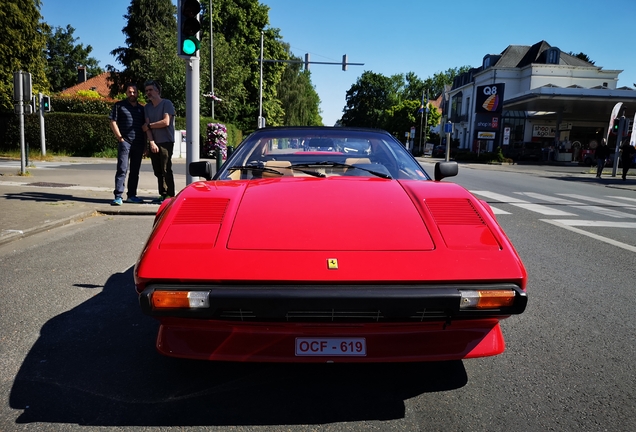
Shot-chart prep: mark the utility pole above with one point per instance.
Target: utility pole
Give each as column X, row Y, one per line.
column 211, row 61
column 307, row 62
column 261, row 123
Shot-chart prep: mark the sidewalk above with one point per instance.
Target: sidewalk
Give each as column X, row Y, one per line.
column 66, row 190
column 69, row 189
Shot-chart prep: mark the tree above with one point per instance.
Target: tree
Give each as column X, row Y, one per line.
column 238, row 25
column 21, row 47
column 298, row 97
column 151, row 51
column 63, row 57
column 368, row 101
column 581, row 56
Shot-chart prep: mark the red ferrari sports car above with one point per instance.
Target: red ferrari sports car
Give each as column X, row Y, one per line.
column 320, row 244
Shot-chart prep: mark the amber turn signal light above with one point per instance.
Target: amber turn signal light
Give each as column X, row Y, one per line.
column 180, row 299
column 486, row 299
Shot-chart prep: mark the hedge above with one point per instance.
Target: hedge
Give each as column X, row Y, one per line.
column 74, row 134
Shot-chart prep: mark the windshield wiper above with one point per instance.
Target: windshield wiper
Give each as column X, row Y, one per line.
column 343, row 165
column 254, row 168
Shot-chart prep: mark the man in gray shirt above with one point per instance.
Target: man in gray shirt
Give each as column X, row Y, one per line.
column 159, row 128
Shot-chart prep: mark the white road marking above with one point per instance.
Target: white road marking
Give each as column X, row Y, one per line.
column 498, row 197
column 598, row 223
column 591, row 235
column 598, row 200
column 606, row 211
column 549, row 198
column 496, row 210
column 595, row 209
column 537, row 208
column 623, row 198
column 33, row 165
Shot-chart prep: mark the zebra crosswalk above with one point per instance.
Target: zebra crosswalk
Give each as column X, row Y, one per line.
column 13, row 164
column 563, row 204
column 579, row 212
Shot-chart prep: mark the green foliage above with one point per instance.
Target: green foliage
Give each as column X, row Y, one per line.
column 581, row 56
column 237, row 38
column 368, row 101
column 389, row 103
column 89, row 94
column 298, row 97
column 64, row 56
column 401, row 117
column 21, row 47
column 75, row 134
column 80, row 104
column 151, row 52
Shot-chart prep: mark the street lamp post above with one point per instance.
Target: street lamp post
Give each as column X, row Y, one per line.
column 211, row 61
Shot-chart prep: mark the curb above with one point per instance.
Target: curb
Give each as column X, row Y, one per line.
column 20, row 234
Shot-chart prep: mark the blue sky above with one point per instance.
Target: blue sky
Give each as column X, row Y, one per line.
column 420, row 36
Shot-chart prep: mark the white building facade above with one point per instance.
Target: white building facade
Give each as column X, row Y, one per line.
column 552, row 101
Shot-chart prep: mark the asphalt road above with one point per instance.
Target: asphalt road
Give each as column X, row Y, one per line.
column 76, row 352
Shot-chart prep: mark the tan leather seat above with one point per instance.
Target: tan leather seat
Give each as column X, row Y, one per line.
column 355, row 161
column 282, row 166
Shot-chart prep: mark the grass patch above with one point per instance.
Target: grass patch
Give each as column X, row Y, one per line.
column 33, row 156
column 107, row 153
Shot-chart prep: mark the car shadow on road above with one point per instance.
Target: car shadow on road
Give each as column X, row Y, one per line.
column 44, row 197
column 96, row 365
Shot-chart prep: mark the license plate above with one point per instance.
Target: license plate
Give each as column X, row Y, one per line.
column 331, row 347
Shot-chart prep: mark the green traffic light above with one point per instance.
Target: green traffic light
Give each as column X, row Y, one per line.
column 190, row 46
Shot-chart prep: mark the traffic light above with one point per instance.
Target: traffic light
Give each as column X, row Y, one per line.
column 616, row 125
column 189, row 26
column 34, row 106
column 46, row 104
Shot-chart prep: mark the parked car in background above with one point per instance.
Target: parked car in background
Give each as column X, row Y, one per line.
column 439, row 151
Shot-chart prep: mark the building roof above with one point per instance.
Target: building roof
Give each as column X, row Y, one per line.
column 523, row 55
column 97, row 83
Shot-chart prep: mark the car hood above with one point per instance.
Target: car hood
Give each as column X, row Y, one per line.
column 328, row 214
column 295, row 228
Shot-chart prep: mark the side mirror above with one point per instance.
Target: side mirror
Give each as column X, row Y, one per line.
column 201, row 169
column 445, row 169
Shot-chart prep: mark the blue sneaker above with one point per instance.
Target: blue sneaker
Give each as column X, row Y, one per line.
column 158, row 200
column 134, row 200
column 117, row 201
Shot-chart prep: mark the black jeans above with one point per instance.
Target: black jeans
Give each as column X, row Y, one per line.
column 128, row 155
column 162, row 167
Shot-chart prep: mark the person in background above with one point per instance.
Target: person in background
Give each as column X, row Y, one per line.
column 126, row 121
column 601, row 154
column 627, row 155
column 159, row 128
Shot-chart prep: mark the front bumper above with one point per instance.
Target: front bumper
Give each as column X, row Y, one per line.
column 333, row 303
column 275, row 342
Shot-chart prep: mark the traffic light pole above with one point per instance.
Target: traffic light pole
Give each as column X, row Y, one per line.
column 192, row 114
column 42, row 132
column 20, row 107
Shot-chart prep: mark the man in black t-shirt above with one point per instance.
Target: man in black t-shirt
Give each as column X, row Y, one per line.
column 126, row 120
